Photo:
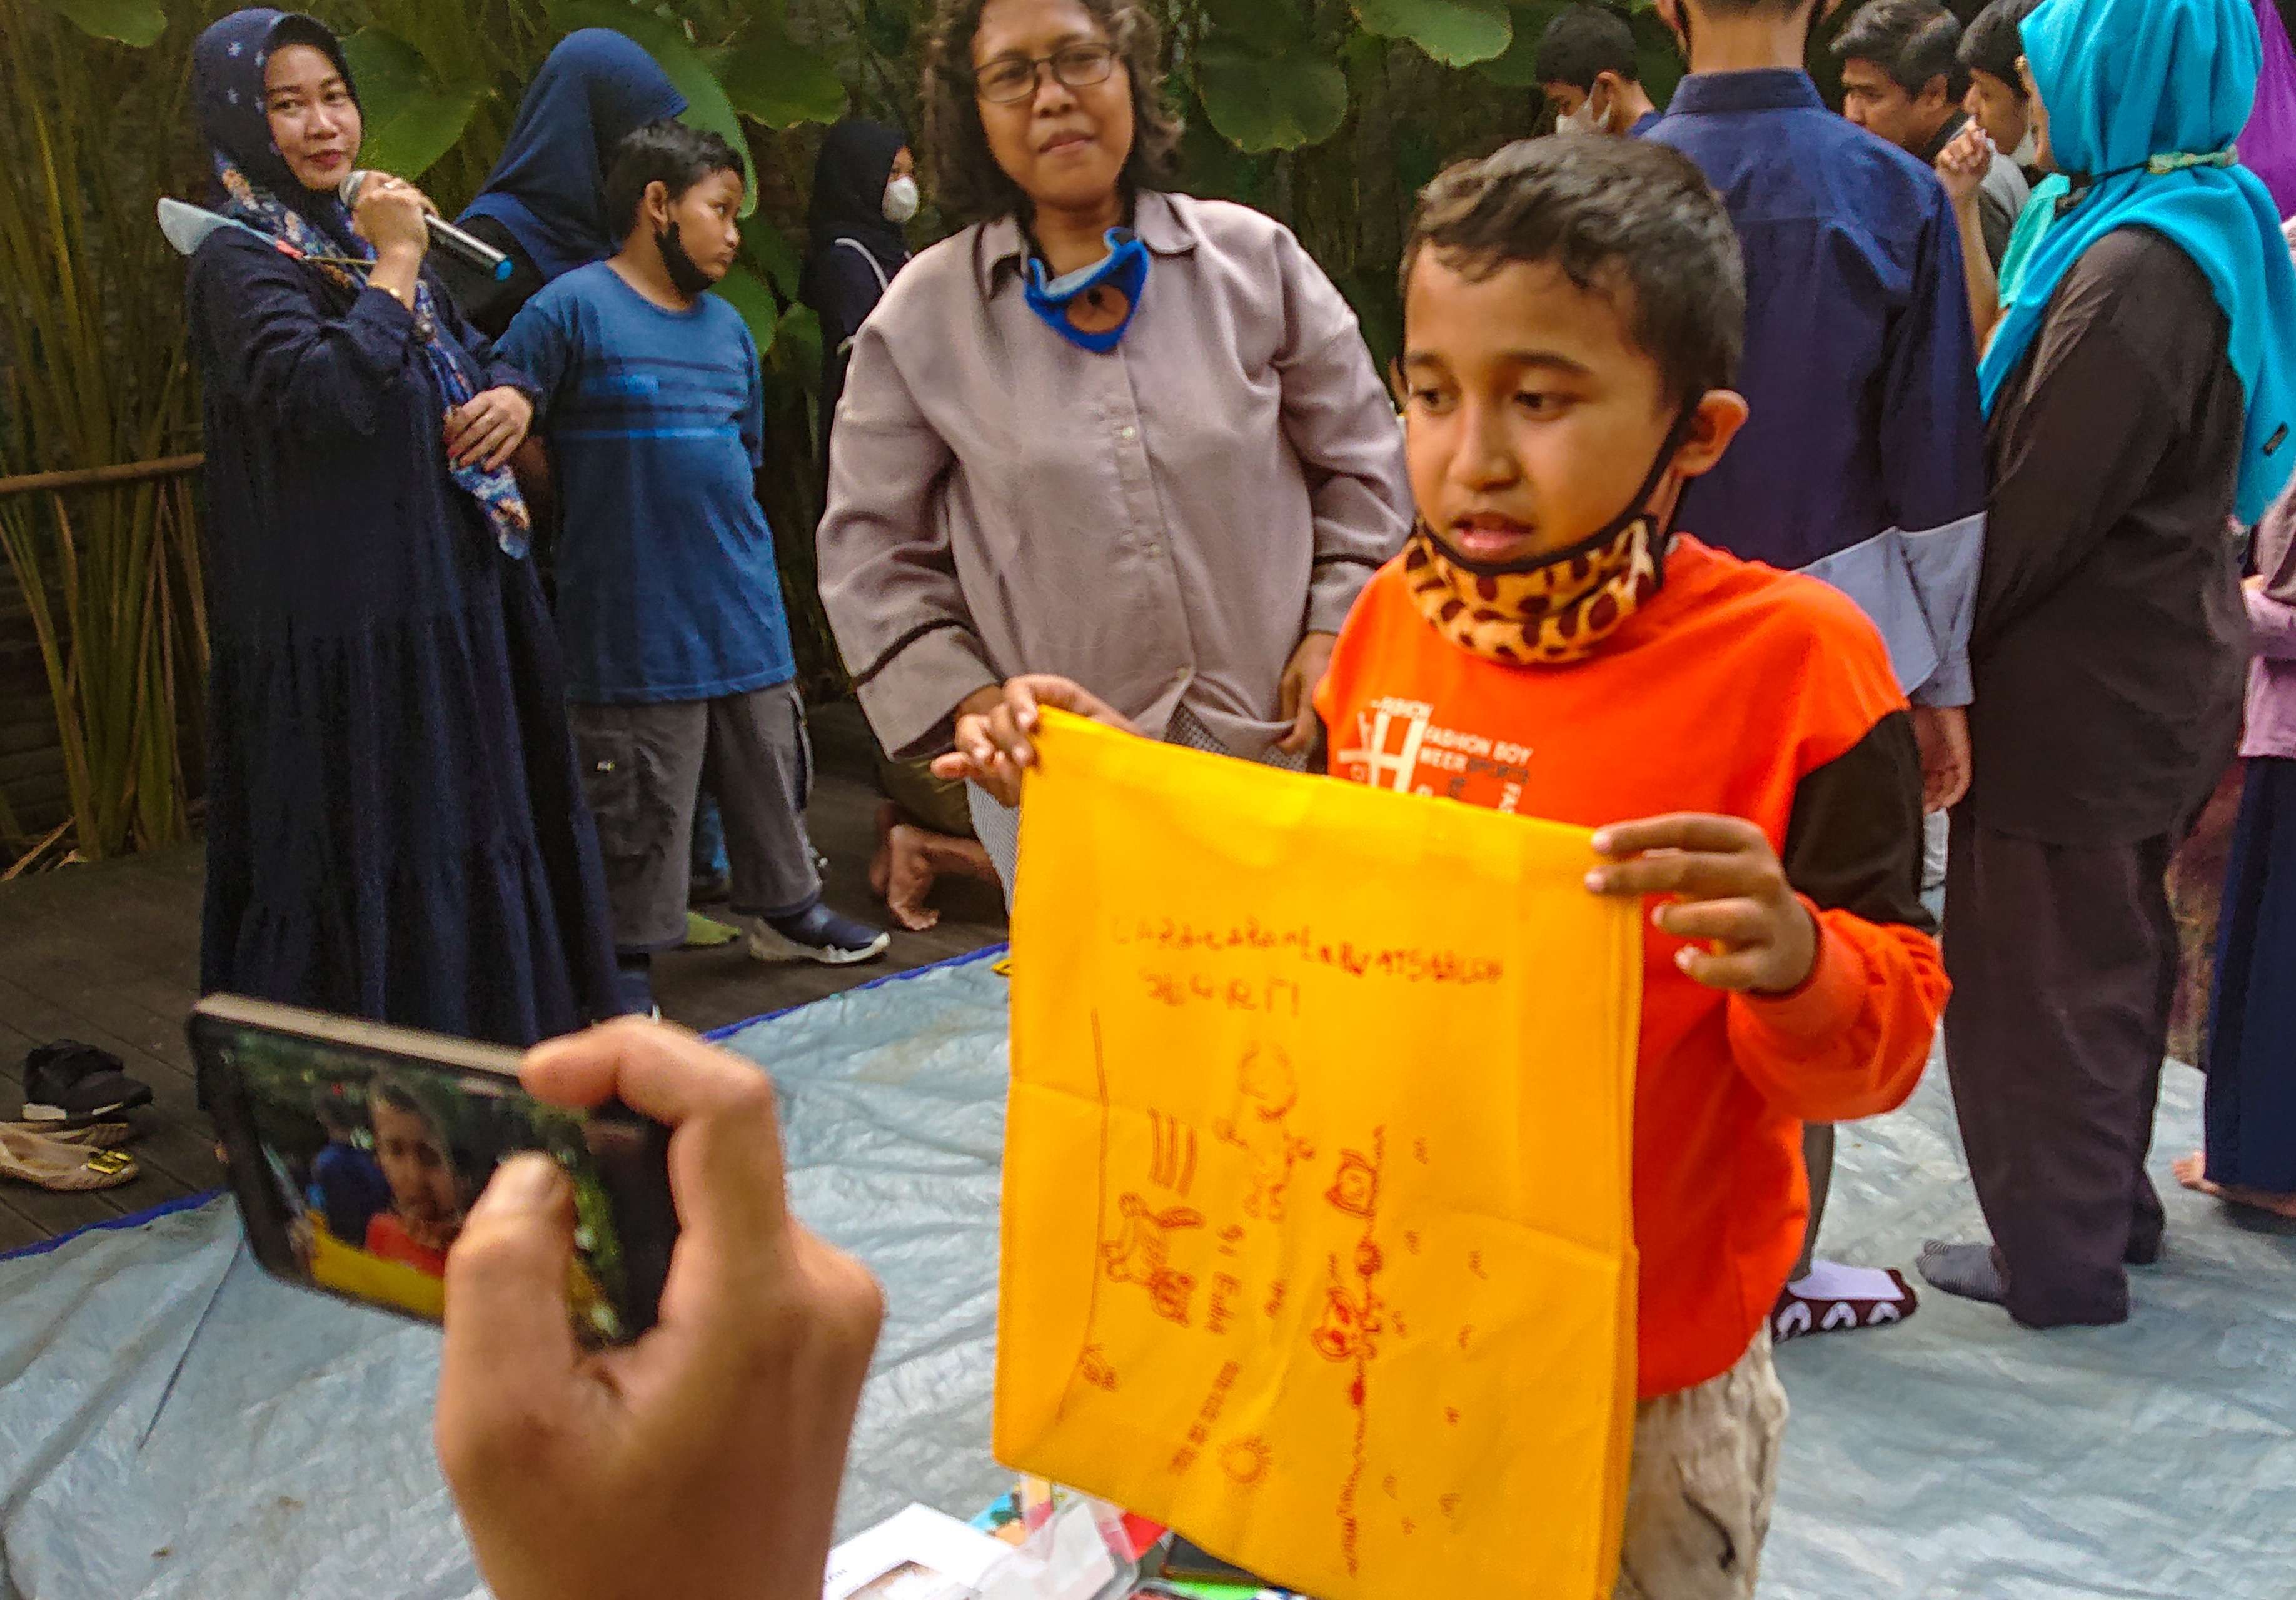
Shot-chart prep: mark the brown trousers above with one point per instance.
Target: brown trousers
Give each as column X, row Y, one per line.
column 2063, row 963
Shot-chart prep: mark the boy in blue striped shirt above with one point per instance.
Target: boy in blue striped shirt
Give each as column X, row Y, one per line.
column 668, row 598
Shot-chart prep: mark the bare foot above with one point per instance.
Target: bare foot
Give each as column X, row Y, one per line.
column 881, row 864
column 910, row 876
column 966, row 857
column 2193, row 1173
column 2283, row 1206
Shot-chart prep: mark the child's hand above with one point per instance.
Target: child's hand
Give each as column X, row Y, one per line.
column 994, row 729
column 1724, row 887
column 1963, row 164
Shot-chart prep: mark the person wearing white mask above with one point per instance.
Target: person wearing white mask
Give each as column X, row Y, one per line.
column 865, row 191
column 1586, row 66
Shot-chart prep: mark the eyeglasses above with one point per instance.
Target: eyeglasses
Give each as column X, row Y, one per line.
column 1010, row 80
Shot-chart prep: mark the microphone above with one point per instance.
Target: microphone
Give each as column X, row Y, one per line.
column 445, row 236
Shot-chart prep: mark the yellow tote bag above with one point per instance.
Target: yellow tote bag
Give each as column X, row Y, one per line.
column 1317, row 1234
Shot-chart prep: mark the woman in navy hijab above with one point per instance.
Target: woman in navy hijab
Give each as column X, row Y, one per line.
column 544, row 204
column 395, row 827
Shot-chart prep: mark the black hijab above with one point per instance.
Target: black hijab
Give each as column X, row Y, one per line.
column 848, row 197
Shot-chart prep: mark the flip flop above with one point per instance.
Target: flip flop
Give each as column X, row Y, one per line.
column 65, row 1169
column 95, row 1135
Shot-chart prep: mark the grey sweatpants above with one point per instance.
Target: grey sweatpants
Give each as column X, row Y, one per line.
column 644, row 766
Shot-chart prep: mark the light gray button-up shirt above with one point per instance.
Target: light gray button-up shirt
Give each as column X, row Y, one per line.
column 1163, row 524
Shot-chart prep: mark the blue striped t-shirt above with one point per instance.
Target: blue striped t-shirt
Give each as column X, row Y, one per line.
column 667, row 585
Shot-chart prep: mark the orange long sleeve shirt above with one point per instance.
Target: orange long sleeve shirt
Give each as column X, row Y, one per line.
column 1742, row 692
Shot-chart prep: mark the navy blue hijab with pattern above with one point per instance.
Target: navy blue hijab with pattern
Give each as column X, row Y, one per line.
column 256, row 187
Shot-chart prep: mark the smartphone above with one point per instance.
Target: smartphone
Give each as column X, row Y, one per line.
column 355, row 1150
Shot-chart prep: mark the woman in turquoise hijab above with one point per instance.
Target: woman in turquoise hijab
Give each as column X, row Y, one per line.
column 2139, row 398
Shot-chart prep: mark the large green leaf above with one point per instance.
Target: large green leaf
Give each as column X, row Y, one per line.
column 797, row 347
column 1268, row 26
column 772, row 77
column 1270, row 103
column 1211, row 167
column 1457, row 32
column 742, row 290
column 707, row 105
column 137, row 23
column 1517, row 66
column 770, row 250
column 412, row 119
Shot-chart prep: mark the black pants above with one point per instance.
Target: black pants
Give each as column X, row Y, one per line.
column 2063, row 963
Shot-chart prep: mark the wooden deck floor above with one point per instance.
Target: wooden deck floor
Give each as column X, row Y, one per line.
column 110, row 955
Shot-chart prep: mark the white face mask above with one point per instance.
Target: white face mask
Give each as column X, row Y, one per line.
column 902, row 198
column 2028, row 148
column 1581, row 121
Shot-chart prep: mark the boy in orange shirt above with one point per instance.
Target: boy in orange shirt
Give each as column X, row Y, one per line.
column 1573, row 316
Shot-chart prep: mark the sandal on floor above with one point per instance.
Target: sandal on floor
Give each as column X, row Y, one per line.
column 65, row 1169
column 95, row 1135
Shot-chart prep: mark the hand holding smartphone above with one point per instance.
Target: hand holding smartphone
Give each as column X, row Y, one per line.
column 356, row 1151
column 703, row 1454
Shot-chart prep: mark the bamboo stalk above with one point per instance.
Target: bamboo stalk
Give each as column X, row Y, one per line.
column 123, row 473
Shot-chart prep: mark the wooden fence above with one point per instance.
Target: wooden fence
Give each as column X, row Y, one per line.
column 32, row 753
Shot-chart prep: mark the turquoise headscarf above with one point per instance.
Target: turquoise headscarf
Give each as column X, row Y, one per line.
column 2145, row 97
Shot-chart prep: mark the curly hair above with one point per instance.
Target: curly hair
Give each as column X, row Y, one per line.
column 967, row 182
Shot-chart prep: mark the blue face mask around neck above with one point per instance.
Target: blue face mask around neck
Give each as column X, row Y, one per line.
column 1079, row 306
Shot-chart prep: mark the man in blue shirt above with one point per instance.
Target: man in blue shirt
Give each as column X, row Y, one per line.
column 1863, row 461
column 668, row 597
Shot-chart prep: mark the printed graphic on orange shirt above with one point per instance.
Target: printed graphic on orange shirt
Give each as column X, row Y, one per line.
column 1398, row 745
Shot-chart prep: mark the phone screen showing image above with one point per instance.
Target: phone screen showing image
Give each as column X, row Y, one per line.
column 356, row 1159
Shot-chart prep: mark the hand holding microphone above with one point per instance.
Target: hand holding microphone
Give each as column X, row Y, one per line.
column 390, row 215
column 389, row 210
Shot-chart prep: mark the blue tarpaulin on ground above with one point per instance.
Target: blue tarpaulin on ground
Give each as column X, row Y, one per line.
column 173, row 1424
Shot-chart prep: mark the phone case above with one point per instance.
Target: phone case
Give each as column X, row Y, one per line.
column 324, row 1211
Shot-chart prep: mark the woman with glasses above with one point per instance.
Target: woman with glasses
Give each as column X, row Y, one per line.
column 1108, row 431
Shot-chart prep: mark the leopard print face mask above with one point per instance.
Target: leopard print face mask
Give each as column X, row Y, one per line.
column 1552, row 609
column 1557, row 611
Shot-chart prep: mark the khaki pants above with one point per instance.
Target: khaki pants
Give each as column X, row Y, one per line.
column 1705, row 1477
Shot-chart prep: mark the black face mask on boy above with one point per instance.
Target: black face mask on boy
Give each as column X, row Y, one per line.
column 692, row 282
